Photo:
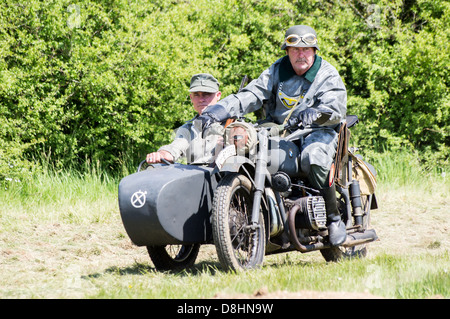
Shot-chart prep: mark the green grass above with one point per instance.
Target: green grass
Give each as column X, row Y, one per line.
column 61, row 237
column 386, row 276
column 64, row 195
column 405, row 169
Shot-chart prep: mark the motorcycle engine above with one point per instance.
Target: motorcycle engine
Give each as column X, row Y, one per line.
column 312, row 213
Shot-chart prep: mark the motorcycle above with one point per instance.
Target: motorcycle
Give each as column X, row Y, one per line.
column 252, row 201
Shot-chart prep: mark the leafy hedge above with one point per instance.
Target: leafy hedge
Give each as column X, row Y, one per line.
column 107, row 80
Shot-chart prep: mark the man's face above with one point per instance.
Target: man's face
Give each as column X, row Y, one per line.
column 201, row 100
column 301, row 58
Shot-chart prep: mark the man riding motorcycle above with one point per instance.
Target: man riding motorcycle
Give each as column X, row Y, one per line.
column 302, row 86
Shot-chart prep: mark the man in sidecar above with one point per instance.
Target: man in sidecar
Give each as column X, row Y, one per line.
column 203, row 91
column 302, row 86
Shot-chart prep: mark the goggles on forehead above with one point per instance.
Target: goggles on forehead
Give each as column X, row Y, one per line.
column 308, row 39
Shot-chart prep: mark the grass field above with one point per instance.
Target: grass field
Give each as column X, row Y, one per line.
column 61, row 236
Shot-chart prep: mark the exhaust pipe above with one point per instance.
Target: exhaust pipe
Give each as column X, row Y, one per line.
column 293, row 236
column 353, row 238
column 359, row 238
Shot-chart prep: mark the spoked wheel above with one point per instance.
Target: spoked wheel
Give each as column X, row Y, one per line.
column 358, row 251
column 173, row 257
column 239, row 245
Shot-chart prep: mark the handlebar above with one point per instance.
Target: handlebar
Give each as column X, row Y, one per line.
column 145, row 162
column 293, row 123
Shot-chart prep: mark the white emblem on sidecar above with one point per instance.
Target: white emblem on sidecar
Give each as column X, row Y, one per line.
column 138, row 199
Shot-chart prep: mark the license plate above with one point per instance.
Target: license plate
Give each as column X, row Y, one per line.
column 224, row 154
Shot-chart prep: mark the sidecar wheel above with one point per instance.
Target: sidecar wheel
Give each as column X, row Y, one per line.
column 238, row 246
column 173, row 257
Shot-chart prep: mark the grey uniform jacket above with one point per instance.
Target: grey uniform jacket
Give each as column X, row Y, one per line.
column 278, row 88
column 188, row 142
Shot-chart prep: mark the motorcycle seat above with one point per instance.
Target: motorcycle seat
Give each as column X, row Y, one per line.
column 352, row 120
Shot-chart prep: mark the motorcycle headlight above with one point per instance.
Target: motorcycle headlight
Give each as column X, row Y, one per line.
column 243, row 135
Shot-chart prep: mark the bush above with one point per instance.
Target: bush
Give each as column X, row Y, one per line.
column 107, row 81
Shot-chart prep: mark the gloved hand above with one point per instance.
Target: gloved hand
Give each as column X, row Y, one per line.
column 212, row 114
column 308, row 116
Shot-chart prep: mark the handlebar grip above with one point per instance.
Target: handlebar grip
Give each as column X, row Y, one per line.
column 165, row 161
column 292, row 122
column 143, row 164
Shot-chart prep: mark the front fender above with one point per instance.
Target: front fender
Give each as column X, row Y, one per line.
column 234, row 163
column 241, row 164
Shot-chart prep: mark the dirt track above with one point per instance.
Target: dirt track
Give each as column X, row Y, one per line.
column 412, row 223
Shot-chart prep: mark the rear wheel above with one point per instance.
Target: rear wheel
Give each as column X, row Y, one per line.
column 359, row 251
column 239, row 244
column 173, row 257
column 341, row 253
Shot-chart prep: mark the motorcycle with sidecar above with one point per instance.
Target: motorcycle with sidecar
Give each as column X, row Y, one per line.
column 251, row 201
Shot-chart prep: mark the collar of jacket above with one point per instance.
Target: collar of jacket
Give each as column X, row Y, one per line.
column 287, row 71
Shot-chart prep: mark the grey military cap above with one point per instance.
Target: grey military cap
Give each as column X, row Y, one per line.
column 204, row 82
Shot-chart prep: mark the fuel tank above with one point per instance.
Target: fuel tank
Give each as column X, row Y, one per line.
column 283, row 156
column 168, row 204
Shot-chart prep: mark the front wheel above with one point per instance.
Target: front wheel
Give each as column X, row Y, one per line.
column 239, row 244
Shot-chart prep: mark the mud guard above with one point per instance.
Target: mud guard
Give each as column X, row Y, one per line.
column 234, row 163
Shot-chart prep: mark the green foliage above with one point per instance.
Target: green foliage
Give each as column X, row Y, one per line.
column 107, row 80
column 402, row 73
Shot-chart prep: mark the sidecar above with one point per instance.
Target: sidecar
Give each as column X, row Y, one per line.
column 168, row 205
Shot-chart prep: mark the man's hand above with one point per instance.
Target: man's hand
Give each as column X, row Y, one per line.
column 158, row 157
column 213, row 114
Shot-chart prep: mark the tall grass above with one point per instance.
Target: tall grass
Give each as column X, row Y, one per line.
column 66, row 194
column 404, row 170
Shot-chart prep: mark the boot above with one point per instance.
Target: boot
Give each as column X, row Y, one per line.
column 337, row 232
